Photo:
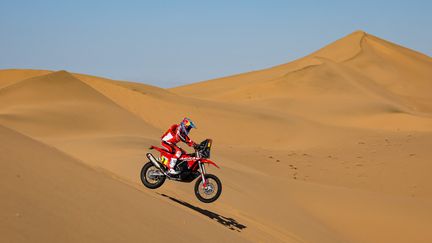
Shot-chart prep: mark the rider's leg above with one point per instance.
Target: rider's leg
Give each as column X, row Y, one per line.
column 174, row 159
column 170, row 149
column 176, row 153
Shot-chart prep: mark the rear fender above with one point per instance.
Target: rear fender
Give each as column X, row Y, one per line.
column 158, row 149
column 163, row 152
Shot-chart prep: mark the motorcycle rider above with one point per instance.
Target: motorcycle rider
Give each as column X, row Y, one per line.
column 175, row 134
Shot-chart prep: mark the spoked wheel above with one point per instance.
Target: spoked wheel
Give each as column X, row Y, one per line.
column 151, row 176
column 209, row 192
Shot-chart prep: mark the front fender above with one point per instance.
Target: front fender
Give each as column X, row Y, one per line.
column 207, row 161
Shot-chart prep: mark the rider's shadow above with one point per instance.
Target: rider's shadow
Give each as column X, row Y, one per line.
column 230, row 223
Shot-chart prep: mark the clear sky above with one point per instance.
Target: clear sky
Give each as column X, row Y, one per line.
column 169, row 43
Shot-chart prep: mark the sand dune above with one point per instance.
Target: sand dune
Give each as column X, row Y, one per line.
column 385, row 63
column 60, row 99
column 65, row 112
column 333, row 147
column 359, row 76
column 143, row 100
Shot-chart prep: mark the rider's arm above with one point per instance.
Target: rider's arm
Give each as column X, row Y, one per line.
column 189, row 142
column 185, row 139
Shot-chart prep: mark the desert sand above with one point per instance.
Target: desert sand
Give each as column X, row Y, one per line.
column 332, row 147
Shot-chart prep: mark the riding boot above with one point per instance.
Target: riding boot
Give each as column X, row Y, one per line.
column 172, row 167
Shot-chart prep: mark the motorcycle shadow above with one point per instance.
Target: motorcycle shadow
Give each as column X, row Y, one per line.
column 230, row 223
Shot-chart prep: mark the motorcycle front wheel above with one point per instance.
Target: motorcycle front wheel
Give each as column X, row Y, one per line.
column 211, row 191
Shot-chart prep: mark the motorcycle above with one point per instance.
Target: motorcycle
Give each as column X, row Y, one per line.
column 208, row 187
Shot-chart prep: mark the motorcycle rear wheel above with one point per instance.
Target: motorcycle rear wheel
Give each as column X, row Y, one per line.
column 150, row 181
column 211, row 192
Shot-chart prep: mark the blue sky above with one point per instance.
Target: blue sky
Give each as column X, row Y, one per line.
column 169, row 43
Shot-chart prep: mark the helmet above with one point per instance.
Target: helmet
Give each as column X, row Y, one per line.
column 186, row 125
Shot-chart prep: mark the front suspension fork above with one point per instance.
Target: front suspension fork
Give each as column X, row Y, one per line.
column 203, row 172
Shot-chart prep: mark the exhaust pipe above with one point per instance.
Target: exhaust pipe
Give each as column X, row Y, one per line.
column 155, row 162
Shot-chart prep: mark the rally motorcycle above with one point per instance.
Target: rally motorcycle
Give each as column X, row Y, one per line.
column 191, row 166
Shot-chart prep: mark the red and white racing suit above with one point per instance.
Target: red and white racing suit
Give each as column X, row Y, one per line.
column 170, row 139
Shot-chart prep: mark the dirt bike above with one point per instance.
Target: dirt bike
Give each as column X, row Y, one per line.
column 208, row 187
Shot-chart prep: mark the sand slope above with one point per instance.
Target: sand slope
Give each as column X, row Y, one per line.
column 48, row 196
